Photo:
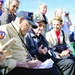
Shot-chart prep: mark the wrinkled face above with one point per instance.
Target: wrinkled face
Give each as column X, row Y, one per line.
column 56, row 25
column 40, row 28
column 43, row 9
column 13, row 7
column 24, row 27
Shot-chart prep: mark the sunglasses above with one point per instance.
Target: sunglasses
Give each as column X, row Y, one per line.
column 15, row 7
column 2, row 2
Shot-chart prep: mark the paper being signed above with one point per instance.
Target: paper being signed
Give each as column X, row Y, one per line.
column 46, row 64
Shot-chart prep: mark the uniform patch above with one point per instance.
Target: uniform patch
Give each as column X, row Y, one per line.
column 2, row 34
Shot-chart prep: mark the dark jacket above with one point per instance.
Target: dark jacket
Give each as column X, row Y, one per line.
column 72, row 37
column 7, row 17
column 33, row 42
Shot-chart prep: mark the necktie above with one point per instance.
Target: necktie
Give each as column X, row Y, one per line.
column 44, row 17
column 58, row 36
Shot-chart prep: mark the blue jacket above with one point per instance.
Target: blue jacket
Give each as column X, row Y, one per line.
column 32, row 42
column 72, row 37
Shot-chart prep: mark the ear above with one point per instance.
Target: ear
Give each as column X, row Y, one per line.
column 21, row 19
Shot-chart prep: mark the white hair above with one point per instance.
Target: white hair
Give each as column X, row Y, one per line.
column 8, row 2
column 42, row 4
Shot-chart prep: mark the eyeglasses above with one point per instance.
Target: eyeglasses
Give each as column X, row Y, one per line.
column 2, row 2
column 41, row 25
column 15, row 7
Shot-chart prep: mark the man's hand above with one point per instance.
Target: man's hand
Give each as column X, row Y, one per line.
column 30, row 64
column 65, row 53
column 42, row 51
column 2, row 55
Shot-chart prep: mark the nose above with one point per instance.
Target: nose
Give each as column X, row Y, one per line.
column 42, row 27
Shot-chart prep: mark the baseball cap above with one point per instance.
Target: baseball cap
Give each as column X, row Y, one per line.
column 28, row 16
column 39, row 18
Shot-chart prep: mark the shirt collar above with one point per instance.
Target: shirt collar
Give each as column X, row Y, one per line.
column 33, row 35
column 16, row 27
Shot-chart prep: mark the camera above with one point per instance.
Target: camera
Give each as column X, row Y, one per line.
column 67, row 13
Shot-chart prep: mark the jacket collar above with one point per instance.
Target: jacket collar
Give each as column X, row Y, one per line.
column 33, row 35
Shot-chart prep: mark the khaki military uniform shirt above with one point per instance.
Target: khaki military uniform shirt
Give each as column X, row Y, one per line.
column 15, row 52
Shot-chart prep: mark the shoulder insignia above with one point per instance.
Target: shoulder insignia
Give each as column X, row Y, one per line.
column 2, row 34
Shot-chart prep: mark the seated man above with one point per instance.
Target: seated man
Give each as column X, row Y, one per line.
column 18, row 59
column 38, row 46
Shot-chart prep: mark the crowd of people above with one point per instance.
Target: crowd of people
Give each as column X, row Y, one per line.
column 35, row 44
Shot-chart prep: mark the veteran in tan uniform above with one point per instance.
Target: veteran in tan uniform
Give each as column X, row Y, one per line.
column 18, row 60
column 16, row 52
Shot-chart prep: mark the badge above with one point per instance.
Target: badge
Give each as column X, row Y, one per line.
column 2, row 34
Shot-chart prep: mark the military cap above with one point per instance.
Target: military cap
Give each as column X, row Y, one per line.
column 28, row 16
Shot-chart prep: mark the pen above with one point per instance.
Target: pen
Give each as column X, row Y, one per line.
column 31, row 58
column 35, row 57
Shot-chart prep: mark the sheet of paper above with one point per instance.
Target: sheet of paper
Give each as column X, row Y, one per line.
column 47, row 64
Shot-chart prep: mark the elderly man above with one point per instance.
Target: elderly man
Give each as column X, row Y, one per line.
column 43, row 11
column 38, row 46
column 18, row 59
